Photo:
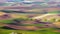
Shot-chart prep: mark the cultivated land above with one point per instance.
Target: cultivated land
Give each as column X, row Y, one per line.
column 24, row 23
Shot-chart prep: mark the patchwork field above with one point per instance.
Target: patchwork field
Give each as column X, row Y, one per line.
column 23, row 23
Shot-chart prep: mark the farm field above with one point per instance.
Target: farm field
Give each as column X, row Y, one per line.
column 26, row 22
column 30, row 20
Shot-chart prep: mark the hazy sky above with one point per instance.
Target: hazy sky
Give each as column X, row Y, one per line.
column 29, row 0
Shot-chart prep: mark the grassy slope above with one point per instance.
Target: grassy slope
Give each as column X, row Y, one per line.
column 43, row 31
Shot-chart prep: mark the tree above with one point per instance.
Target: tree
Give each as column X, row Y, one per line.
column 17, row 22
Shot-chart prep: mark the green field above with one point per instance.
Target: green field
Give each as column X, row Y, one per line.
column 42, row 31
